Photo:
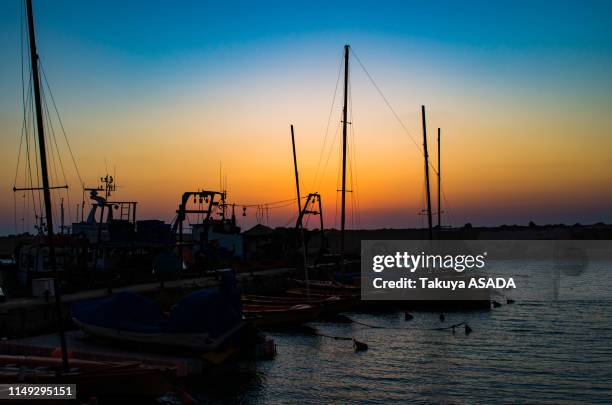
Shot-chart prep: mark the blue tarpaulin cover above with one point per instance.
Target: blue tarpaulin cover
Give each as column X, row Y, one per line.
column 212, row 311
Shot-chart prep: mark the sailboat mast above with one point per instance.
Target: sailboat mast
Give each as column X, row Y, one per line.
column 45, row 180
column 429, row 222
column 297, row 179
column 344, row 123
column 62, row 217
column 439, row 173
column 299, row 223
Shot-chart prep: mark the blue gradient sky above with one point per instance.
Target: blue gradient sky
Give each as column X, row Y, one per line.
column 522, row 88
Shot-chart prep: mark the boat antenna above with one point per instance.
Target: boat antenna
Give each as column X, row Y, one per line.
column 344, row 123
column 426, row 155
column 45, row 180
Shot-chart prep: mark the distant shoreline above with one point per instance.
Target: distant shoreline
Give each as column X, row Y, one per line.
column 354, row 237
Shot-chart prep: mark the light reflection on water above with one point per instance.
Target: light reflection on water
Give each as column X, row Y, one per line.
column 541, row 352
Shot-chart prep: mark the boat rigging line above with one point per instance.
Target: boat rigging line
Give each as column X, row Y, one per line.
column 404, row 127
column 59, row 119
column 314, row 186
column 32, row 183
column 397, row 117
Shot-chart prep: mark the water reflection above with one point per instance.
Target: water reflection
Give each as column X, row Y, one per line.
column 526, row 352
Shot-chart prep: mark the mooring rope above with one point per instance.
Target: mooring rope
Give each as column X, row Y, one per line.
column 401, row 328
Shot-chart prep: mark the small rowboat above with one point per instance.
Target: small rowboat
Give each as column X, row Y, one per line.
column 185, row 342
column 201, row 322
column 327, row 286
column 276, row 300
column 321, row 293
column 280, row 315
column 330, row 304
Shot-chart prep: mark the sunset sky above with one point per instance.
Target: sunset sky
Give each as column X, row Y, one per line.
column 163, row 92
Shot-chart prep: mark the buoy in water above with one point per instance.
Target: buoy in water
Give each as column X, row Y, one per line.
column 509, row 301
column 468, row 330
column 496, row 304
column 441, row 317
column 359, row 346
column 408, row 316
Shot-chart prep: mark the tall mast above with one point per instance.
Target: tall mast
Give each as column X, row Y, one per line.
column 427, row 173
column 300, row 215
column 45, row 179
column 344, row 123
column 439, row 201
column 62, row 216
column 297, row 179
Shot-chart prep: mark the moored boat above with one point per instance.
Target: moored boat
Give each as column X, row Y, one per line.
column 279, row 315
column 284, row 300
column 200, row 322
column 327, row 285
column 160, row 339
column 321, row 293
column 330, row 304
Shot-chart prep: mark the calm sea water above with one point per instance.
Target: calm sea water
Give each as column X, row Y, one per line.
column 541, row 352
